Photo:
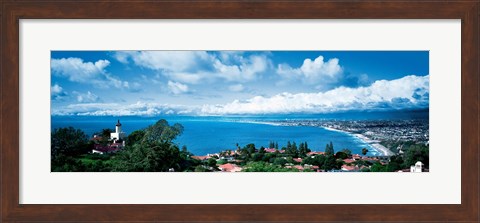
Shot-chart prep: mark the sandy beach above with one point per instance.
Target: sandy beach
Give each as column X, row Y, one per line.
column 374, row 143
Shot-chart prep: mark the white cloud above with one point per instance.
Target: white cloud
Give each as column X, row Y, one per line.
column 230, row 56
column 76, row 70
column 236, row 88
column 56, row 89
column 138, row 109
column 121, row 56
column 407, row 92
column 396, row 94
column 194, row 67
column 177, row 61
column 86, row 97
column 313, row 72
column 245, row 70
column 177, row 88
column 57, row 92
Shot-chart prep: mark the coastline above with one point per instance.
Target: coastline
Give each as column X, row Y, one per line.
column 373, row 143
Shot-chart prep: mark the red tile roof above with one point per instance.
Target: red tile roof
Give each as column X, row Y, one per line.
column 106, row 149
column 96, row 138
column 230, row 167
column 200, row 157
column 298, row 167
column 315, row 153
column 270, row 150
column 348, row 168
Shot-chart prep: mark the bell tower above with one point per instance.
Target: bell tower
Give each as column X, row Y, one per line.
column 118, row 127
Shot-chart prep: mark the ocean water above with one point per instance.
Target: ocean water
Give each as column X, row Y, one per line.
column 203, row 135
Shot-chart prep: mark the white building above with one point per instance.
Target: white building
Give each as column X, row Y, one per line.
column 418, row 168
column 118, row 134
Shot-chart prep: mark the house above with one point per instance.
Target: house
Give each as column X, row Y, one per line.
column 117, row 140
column 315, row 153
column 118, row 134
column 298, row 160
column 417, row 168
column 100, row 149
column 270, row 150
column 273, row 150
column 201, row 158
column 298, row 167
column 349, row 168
column 229, row 168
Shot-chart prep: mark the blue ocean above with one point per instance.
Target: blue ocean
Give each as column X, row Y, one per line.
column 204, row 135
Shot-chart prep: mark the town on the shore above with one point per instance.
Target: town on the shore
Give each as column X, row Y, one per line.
column 403, row 145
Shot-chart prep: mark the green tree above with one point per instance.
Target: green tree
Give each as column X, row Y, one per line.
column 69, row 142
column 347, row 151
column 318, row 160
column 266, row 167
column 280, row 161
column 302, row 151
column 329, row 149
column 364, row 151
column 377, row 167
column 212, row 162
column 262, row 150
column 292, row 149
column 395, row 163
column 135, row 137
column 257, row 156
column 330, row 163
column 106, row 133
column 271, row 145
column 155, row 152
column 418, row 152
column 201, row 168
column 341, row 155
column 250, row 148
column 162, row 132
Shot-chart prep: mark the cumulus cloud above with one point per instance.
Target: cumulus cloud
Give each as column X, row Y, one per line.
column 194, row 67
column 407, row 92
column 121, row 56
column 313, row 72
column 77, row 70
column 177, row 88
column 57, row 92
column 86, row 97
column 136, row 109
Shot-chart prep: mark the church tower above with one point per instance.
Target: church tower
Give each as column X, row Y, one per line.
column 118, row 134
column 118, row 126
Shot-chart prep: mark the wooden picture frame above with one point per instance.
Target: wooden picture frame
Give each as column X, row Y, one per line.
column 12, row 11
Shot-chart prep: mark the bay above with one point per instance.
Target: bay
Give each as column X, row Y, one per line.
column 212, row 134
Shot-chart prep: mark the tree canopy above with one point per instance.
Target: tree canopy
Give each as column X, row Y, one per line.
column 329, row 149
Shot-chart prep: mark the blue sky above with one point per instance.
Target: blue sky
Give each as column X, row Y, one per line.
column 235, row 82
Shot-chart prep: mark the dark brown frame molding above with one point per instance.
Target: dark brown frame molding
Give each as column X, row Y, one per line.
column 14, row 10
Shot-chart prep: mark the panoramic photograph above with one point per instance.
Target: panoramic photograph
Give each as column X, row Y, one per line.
column 239, row 111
